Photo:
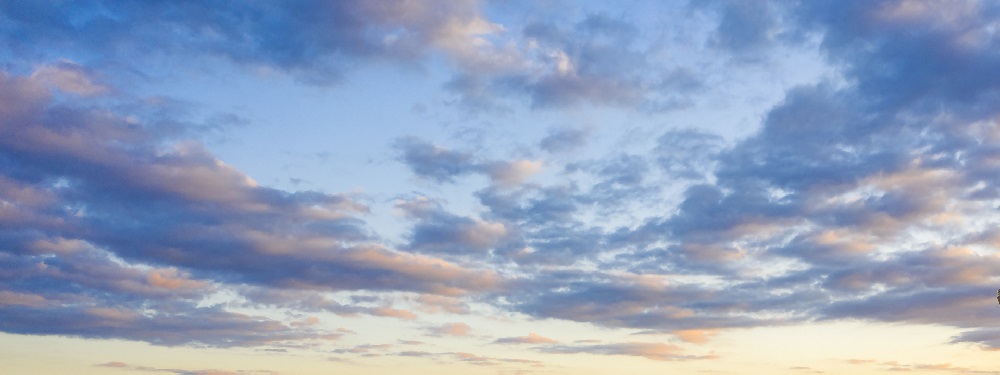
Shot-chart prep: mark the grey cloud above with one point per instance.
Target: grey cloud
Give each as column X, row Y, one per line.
column 542, row 224
column 441, row 165
column 599, row 61
column 450, row 329
column 187, row 325
column 921, row 57
column 74, row 289
column 312, row 301
column 835, row 185
column 620, row 178
column 114, row 231
column 989, row 337
column 563, row 140
column 827, row 202
column 632, row 301
column 745, row 27
column 438, row 231
column 688, row 154
column 430, row 161
column 312, row 40
column 841, row 177
column 180, row 206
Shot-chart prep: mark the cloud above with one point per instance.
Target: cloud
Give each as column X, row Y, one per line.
column 654, row 351
column 563, row 140
column 450, row 329
column 111, row 166
column 314, row 41
column 439, row 231
column 688, row 153
column 470, row 358
column 175, row 325
column 513, row 172
column 393, row 313
column 433, row 162
column 745, row 27
column 112, row 231
column 599, row 60
column 867, row 195
column 441, row 304
column 897, row 366
column 126, row 366
column 531, row 338
column 363, row 349
column 441, row 165
column 69, row 77
column 696, row 336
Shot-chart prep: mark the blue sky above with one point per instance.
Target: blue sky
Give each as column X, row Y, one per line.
column 547, row 187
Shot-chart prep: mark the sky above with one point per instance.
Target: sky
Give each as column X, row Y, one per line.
column 499, row 187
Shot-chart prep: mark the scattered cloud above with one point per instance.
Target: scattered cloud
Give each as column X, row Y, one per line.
column 864, row 194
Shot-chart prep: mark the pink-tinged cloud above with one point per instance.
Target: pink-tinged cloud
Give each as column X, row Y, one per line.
column 23, row 299
column 696, row 336
column 393, row 313
column 432, row 303
column 531, row 338
column 470, row 358
column 450, row 329
column 126, row 366
column 247, row 229
column 513, row 172
column 69, row 77
column 654, row 351
column 307, row 322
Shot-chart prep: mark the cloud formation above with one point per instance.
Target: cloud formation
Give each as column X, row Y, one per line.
column 83, row 187
column 865, row 194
